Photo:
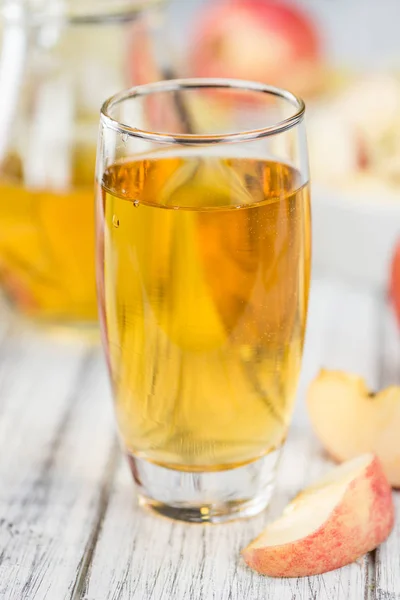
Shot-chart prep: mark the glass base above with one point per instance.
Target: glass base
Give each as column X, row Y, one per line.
column 206, row 497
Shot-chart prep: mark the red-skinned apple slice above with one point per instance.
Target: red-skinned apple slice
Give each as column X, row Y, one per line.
column 329, row 525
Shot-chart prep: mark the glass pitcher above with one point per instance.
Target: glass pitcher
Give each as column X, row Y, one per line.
column 59, row 60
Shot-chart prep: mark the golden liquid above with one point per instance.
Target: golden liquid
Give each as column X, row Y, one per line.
column 47, row 246
column 205, row 287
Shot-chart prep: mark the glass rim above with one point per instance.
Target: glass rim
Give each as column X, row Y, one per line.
column 175, row 85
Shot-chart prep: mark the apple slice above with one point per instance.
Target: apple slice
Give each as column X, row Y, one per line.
column 332, row 523
column 349, row 420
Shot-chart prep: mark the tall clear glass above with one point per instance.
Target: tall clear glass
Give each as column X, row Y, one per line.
column 203, row 263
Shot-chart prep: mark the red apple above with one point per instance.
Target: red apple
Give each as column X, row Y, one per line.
column 394, row 290
column 261, row 40
column 329, row 525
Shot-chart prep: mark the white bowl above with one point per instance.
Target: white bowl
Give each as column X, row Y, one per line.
column 354, row 235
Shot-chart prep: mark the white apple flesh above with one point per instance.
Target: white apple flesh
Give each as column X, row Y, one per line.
column 329, row 525
column 349, row 420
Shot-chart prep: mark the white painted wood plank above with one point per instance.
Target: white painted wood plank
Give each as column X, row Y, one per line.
column 342, row 333
column 388, row 555
column 140, row 556
column 55, row 449
column 350, row 330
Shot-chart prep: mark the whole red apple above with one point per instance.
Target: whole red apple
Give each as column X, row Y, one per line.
column 261, row 40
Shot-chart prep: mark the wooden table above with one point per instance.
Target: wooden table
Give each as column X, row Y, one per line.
column 70, row 527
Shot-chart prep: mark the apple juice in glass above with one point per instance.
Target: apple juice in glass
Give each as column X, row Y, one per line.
column 203, row 276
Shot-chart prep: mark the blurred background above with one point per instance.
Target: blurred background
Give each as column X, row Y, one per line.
column 360, row 34
column 59, row 59
column 343, row 58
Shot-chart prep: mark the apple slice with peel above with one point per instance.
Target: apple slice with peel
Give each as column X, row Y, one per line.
column 332, row 523
column 349, row 420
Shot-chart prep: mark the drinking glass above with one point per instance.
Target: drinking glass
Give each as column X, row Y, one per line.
column 203, row 265
column 58, row 60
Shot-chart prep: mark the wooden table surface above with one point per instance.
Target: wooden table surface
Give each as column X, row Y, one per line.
column 70, row 527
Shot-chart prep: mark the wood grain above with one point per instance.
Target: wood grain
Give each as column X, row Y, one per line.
column 55, row 441
column 388, row 555
column 141, row 556
column 70, row 526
